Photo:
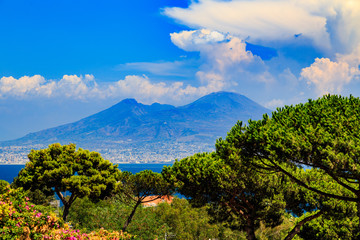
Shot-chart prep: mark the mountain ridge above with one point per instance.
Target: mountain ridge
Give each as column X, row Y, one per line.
column 134, row 124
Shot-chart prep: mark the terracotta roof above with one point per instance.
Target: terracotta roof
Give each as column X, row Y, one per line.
column 152, row 201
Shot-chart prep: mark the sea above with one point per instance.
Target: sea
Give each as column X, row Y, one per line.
column 8, row 172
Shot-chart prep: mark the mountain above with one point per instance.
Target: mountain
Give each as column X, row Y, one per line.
column 157, row 128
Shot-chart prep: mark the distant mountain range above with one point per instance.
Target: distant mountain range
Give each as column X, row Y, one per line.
column 134, row 129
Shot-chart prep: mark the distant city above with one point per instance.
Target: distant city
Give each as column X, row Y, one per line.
column 156, row 152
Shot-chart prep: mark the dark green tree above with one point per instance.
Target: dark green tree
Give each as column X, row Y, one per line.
column 136, row 187
column 62, row 169
column 237, row 193
column 309, row 206
column 322, row 134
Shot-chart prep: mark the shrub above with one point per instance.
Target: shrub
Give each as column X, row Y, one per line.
column 19, row 219
column 22, row 220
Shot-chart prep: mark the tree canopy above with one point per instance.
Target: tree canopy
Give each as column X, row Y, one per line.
column 322, row 134
column 62, row 169
column 237, row 193
column 136, row 187
column 253, row 171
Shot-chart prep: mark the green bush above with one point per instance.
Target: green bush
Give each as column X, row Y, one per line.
column 3, row 186
column 111, row 214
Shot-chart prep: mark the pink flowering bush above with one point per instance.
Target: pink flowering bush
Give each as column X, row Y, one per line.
column 21, row 220
column 101, row 234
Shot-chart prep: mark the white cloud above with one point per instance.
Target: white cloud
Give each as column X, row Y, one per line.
column 86, row 88
column 324, row 31
column 10, row 86
column 196, row 40
column 70, row 86
column 329, row 76
column 257, row 21
column 275, row 103
column 141, row 88
column 225, row 60
column 73, row 86
column 331, row 25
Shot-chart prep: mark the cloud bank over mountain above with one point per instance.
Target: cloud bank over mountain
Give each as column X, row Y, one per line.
column 328, row 29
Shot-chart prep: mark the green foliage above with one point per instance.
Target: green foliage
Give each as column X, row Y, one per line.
column 237, row 193
column 323, row 134
column 39, row 197
column 111, row 214
column 62, row 168
column 186, row 222
column 136, row 187
column 178, row 220
column 327, row 228
column 143, row 184
column 3, row 186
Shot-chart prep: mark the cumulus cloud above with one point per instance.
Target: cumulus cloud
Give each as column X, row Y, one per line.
column 73, row 86
column 10, row 86
column 332, row 25
column 329, row 76
column 145, row 91
column 225, row 60
column 196, row 40
column 86, row 88
column 326, row 30
column 70, row 86
column 256, row 21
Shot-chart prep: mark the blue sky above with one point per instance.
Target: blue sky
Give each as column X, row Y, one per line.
column 64, row 60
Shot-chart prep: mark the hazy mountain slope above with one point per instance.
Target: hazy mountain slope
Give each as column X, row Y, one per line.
column 212, row 115
column 133, row 132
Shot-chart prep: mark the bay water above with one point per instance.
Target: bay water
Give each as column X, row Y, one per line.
column 8, row 172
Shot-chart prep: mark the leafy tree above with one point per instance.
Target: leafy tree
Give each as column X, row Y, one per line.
column 322, row 134
column 187, row 222
column 3, row 186
column 238, row 194
column 178, row 220
column 111, row 214
column 331, row 227
column 62, row 168
column 310, row 206
column 136, row 187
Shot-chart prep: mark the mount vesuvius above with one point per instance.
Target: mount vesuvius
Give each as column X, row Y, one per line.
column 130, row 131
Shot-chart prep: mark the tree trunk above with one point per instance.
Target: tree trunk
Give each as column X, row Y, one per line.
column 298, row 226
column 67, row 204
column 66, row 211
column 131, row 215
column 250, row 229
column 358, row 212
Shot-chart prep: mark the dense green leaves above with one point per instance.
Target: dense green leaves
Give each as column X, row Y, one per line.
column 3, row 186
column 178, row 220
column 237, row 192
column 63, row 168
column 323, row 134
column 136, row 187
